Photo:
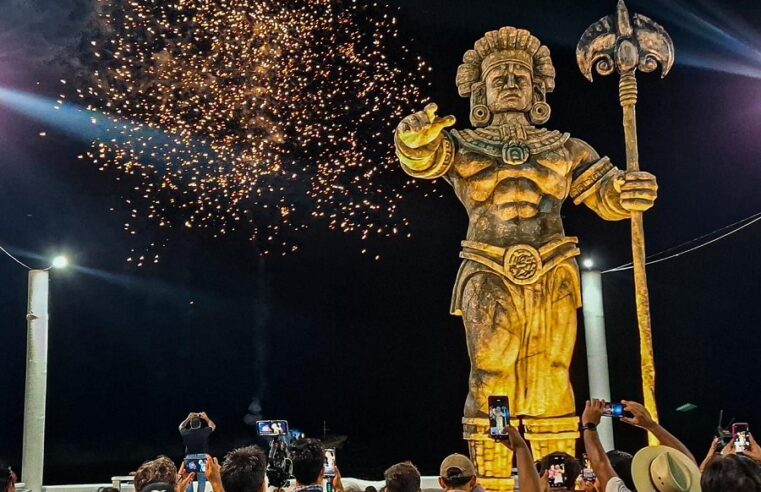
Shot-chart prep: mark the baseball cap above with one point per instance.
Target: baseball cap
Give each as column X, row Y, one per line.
column 457, row 466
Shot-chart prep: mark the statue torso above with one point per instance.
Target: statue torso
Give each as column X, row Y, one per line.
column 510, row 202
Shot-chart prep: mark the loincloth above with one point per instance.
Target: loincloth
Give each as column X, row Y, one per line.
column 536, row 333
column 518, row 265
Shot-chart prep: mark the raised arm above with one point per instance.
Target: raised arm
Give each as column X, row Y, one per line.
column 610, row 192
column 527, row 475
column 424, row 149
column 209, row 422
column 713, row 452
column 641, row 418
column 590, row 419
column 214, row 474
column 186, row 422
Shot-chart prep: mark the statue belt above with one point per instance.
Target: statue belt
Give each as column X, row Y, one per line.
column 522, row 264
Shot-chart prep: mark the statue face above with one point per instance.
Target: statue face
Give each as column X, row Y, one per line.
column 509, row 87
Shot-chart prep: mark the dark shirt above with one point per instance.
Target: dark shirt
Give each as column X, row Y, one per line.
column 196, row 440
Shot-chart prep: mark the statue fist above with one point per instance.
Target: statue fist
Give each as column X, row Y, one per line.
column 638, row 190
column 422, row 128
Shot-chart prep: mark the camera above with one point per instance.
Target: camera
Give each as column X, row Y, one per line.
column 279, row 464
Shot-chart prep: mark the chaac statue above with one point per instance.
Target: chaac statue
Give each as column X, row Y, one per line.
column 518, row 287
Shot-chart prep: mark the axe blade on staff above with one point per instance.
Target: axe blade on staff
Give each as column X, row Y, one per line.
column 624, row 44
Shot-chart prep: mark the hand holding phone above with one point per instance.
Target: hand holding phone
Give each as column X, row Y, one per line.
column 512, row 439
column 330, row 463
column 499, row 416
column 272, row 427
column 741, row 437
column 184, row 477
column 638, row 415
column 195, row 465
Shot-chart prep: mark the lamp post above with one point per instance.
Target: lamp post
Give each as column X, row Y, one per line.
column 35, row 393
column 597, row 349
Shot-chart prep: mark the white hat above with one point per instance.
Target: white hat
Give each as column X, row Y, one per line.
column 663, row 469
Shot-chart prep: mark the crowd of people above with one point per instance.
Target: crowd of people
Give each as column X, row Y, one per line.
column 669, row 467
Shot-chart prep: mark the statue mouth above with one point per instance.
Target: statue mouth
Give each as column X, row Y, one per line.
column 510, row 95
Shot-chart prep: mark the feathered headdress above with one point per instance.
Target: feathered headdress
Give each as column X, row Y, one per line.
column 506, row 44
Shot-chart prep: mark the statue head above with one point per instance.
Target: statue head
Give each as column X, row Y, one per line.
column 508, row 70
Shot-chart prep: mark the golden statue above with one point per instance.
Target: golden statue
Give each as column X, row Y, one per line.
column 518, row 287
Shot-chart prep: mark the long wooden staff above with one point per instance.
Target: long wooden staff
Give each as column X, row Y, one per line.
column 624, row 44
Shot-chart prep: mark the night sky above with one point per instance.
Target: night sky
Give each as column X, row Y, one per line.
column 328, row 335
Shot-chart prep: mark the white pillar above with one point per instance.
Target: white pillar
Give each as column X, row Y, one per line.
column 36, row 380
column 597, row 350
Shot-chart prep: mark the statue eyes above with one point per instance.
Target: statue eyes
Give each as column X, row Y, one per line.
column 503, row 81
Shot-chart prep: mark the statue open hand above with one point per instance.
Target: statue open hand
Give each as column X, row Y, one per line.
column 638, row 190
column 423, row 127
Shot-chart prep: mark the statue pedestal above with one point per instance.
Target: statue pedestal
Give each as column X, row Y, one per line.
column 547, row 435
column 494, row 461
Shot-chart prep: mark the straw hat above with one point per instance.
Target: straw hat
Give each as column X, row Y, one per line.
column 663, row 469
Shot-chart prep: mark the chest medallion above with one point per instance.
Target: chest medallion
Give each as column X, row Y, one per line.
column 515, row 153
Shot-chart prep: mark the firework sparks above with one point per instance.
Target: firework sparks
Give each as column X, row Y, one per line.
column 272, row 113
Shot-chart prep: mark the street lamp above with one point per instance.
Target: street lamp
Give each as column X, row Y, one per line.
column 33, row 452
column 597, row 348
column 59, row 262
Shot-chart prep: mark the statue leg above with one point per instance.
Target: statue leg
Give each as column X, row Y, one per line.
column 556, row 429
column 493, row 332
column 562, row 314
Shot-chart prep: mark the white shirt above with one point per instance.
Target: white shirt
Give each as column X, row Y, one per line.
column 615, row 484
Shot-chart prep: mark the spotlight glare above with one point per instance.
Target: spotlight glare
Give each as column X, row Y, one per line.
column 60, row 262
column 588, row 263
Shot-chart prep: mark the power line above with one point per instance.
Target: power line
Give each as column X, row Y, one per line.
column 15, row 259
column 746, row 222
column 730, row 226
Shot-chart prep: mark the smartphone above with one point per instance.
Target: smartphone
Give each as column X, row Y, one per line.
column 499, row 416
column 587, row 474
column 330, row 462
column 557, row 473
column 614, row 410
column 195, row 465
column 741, row 436
column 272, row 427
